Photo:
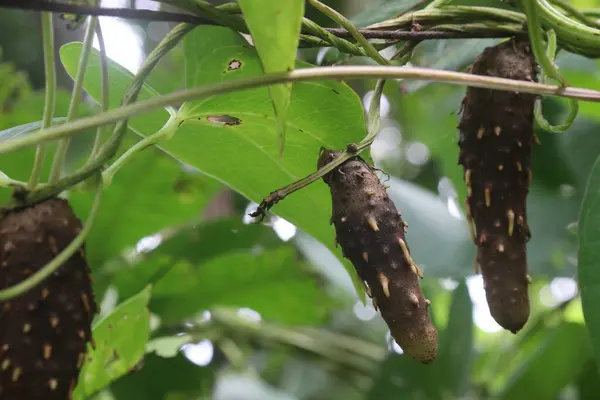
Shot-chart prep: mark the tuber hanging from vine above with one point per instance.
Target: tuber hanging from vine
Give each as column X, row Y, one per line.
column 43, row 332
column 496, row 136
column 371, row 232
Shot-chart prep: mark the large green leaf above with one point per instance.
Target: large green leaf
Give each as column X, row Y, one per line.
column 192, row 245
column 588, row 383
column 120, row 343
column 242, row 151
column 270, row 282
column 119, row 80
column 149, row 193
column 275, row 30
column 589, row 256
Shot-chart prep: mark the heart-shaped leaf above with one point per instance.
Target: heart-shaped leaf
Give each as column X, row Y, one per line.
column 589, row 256
column 233, row 137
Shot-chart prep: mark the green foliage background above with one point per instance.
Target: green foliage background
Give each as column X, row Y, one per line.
column 281, row 318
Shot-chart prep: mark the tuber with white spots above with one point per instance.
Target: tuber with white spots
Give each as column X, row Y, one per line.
column 371, row 233
column 43, row 332
column 496, row 136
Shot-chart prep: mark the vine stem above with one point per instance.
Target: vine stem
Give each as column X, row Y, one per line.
column 166, row 131
column 573, row 104
column 104, row 88
column 299, row 75
column 62, row 257
column 437, row 3
column 6, row 181
column 574, row 36
column 545, row 57
column 49, row 94
column 351, row 151
column 580, row 15
column 374, row 116
column 150, row 15
column 110, row 147
column 63, row 145
column 537, row 42
column 346, row 24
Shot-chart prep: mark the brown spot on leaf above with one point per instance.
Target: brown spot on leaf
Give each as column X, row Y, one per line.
column 224, row 120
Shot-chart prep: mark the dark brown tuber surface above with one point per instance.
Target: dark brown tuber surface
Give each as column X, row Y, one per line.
column 371, row 232
column 496, row 136
column 43, row 332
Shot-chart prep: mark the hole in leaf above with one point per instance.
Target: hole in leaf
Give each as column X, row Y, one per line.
column 225, row 120
column 233, row 65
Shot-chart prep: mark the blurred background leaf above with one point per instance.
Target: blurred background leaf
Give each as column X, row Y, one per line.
column 120, row 341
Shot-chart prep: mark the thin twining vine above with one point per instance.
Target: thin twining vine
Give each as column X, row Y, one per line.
column 49, row 94
column 227, row 14
column 309, row 74
column 94, row 168
column 63, row 145
column 110, row 147
column 438, row 21
column 352, row 150
column 545, row 58
column 573, row 104
column 104, row 91
column 572, row 34
column 301, row 75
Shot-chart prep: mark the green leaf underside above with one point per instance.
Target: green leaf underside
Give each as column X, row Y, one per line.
column 147, row 194
column 190, row 246
column 271, row 283
column 245, row 155
column 589, row 256
column 165, row 379
column 275, row 30
column 16, row 131
column 121, row 339
column 168, row 346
